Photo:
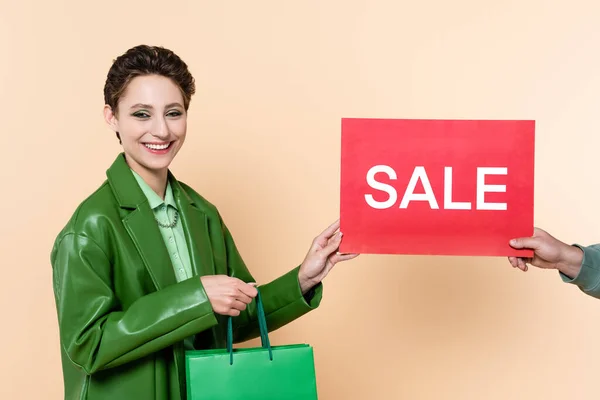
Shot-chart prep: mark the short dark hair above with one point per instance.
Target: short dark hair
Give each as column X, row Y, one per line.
column 147, row 60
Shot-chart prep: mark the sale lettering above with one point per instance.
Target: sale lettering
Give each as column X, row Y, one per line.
column 436, row 186
column 420, row 175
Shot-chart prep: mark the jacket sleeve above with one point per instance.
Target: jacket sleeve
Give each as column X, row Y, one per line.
column 95, row 332
column 588, row 279
column 282, row 298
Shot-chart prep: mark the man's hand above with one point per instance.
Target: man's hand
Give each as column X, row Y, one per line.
column 548, row 253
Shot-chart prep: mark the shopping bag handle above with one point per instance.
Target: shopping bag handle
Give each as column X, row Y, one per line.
column 262, row 325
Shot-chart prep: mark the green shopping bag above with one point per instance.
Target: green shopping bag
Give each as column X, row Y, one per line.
column 260, row 373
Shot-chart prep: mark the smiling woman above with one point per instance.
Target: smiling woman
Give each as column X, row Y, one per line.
column 150, row 121
column 146, row 268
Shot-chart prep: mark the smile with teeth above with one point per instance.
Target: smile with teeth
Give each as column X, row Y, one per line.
column 152, row 146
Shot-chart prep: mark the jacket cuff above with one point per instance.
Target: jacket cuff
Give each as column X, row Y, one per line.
column 191, row 295
column 588, row 278
column 313, row 297
column 285, row 295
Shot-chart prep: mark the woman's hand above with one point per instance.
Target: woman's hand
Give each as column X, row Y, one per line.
column 227, row 295
column 321, row 257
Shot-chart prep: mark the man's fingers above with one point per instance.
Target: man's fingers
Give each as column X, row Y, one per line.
column 525, row 243
column 518, row 262
column 521, row 264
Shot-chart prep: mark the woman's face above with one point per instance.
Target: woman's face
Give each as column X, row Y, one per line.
column 151, row 121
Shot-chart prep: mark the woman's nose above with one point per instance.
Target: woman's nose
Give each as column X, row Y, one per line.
column 160, row 128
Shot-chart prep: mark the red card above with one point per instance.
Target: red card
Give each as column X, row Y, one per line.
column 443, row 187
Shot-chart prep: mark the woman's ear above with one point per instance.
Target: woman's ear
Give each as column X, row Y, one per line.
column 111, row 118
column 112, row 121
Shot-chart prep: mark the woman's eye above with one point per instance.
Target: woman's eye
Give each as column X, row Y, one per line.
column 174, row 113
column 141, row 114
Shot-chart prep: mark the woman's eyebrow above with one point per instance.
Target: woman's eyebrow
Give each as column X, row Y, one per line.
column 140, row 105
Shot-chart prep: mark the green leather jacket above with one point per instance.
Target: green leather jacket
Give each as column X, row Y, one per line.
column 123, row 316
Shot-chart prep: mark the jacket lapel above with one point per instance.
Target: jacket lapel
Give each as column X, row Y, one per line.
column 195, row 226
column 139, row 222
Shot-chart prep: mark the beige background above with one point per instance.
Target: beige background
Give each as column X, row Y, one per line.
column 274, row 78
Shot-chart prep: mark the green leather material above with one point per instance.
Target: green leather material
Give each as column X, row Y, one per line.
column 260, row 373
column 122, row 314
